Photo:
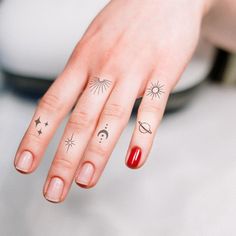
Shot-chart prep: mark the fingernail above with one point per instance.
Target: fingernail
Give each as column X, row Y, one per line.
column 85, row 174
column 25, row 161
column 134, row 157
column 55, row 189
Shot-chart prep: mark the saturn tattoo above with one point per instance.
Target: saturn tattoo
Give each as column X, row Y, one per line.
column 144, row 127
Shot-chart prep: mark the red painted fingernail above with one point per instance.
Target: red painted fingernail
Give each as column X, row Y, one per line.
column 134, row 157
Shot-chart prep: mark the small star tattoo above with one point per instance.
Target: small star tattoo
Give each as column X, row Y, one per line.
column 37, row 122
column 69, row 143
column 40, row 132
column 46, row 124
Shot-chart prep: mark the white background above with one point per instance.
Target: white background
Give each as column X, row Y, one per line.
column 187, row 187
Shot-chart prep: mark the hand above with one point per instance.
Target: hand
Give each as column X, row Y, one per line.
column 131, row 49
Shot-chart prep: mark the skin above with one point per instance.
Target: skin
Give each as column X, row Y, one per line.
column 132, row 45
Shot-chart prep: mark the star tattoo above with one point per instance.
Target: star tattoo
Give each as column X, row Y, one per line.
column 37, row 122
column 40, row 132
column 69, row 143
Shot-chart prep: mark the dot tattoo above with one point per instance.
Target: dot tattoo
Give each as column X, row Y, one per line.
column 39, row 125
column 144, row 127
column 98, row 85
column 103, row 134
column 155, row 90
column 69, row 142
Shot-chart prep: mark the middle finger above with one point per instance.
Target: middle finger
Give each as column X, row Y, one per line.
column 77, row 133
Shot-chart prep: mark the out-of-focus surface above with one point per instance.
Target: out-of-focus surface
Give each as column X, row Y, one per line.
column 37, row 37
column 187, row 187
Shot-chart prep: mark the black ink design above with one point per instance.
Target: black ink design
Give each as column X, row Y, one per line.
column 103, row 134
column 144, row 127
column 70, row 142
column 40, row 132
column 98, row 85
column 37, row 122
column 156, row 90
column 39, row 125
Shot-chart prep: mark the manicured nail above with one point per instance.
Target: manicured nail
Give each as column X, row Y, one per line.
column 85, row 174
column 134, row 157
column 55, row 189
column 24, row 162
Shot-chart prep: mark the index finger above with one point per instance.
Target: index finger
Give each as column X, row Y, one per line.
column 52, row 108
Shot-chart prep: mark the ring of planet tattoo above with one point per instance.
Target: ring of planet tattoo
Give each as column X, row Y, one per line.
column 144, row 127
column 103, row 134
column 39, row 125
column 98, row 85
column 155, row 90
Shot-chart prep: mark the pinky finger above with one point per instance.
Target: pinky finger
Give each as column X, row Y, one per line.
column 150, row 113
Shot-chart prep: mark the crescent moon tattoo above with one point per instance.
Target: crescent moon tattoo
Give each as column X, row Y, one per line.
column 103, row 134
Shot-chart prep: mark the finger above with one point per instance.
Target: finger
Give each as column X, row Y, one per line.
column 53, row 106
column 113, row 119
column 150, row 113
column 78, row 131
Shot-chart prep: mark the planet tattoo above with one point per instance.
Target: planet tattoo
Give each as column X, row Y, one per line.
column 144, row 128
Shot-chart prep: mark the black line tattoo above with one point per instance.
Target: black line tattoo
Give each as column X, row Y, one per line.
column 103, row 134
column 144, row 128
column 98, row 85
column 155, row 90
column 69, row 142
column 39, row 125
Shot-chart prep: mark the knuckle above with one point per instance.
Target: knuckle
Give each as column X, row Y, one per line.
column 115, row 110
column 81, row 120
column 62, row 164
column 151, row 108
column 50, row 102
column 98, row 150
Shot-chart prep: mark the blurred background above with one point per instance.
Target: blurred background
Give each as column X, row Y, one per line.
column 187, row 187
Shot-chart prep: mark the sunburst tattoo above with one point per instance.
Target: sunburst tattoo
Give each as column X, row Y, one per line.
column 69, row 142
column 155, row 90
column 98, row 85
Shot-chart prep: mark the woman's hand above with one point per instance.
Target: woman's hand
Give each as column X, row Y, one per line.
column 132, row 49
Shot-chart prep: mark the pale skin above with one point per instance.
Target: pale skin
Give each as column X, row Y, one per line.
column 130, row 50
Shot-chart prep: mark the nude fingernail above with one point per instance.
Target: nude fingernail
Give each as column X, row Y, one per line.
column 55, row 189
column 25, row 161
column 85, row 174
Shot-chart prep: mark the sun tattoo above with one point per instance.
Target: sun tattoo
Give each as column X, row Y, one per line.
column 155, row 90
column 98, row 85
column 69, row 143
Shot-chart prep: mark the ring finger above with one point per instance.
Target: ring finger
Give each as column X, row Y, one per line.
column 150, row 113
column 114, row 117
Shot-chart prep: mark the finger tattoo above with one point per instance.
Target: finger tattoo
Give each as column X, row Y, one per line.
column 155, row 90
column 144, row 128
column 69, row 142
column 98, row 85
column 39, row 125
column 103, row 134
